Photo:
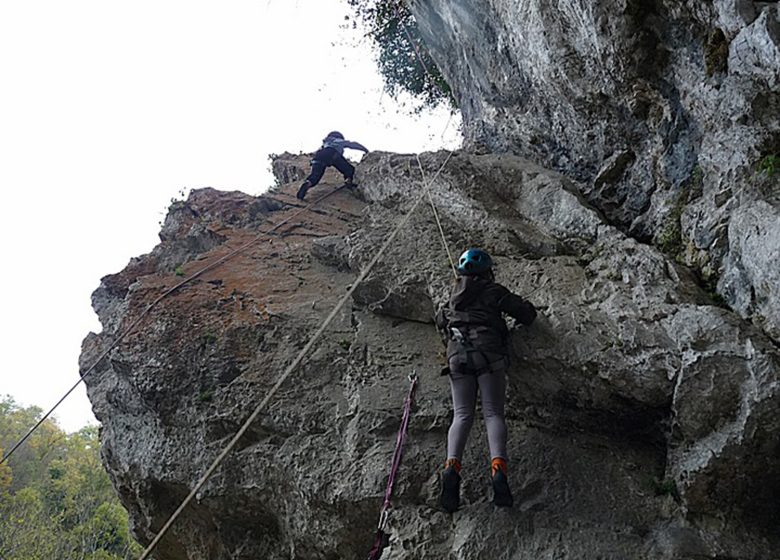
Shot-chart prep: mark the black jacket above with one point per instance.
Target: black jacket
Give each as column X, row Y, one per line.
column 476, row 307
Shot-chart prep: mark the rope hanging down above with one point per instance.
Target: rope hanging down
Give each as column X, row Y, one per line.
column 295, row 363
column 436, row 215
column 143, row 314
column 411, row 40
column 382, row 538
column 419, row 163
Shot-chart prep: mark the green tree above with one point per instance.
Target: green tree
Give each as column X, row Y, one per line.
column 5, row 477
column 31, row 460
column 25, row 529
column 404, row 61
column 56, row 500
column 106, row 534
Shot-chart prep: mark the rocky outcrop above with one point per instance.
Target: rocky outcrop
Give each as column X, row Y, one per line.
column 663, row 110
column 641, row 411
column 623, row 168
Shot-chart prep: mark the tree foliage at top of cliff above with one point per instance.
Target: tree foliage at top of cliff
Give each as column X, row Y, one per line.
column 404, row 61
column 56, row 500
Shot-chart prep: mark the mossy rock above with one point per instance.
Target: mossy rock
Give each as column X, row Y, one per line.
column 716, row 53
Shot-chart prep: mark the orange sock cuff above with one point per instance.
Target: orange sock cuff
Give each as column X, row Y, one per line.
column 454, row 463
column 498, row 464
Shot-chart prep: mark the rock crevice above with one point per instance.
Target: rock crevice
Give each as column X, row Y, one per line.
column 663, row 112
column 641, row 414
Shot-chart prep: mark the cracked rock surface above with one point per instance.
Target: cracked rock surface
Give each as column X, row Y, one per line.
column 641, row 411
column 667, row 112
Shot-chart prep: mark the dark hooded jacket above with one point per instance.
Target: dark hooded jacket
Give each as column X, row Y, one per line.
column 339, row 144
column 476, row 307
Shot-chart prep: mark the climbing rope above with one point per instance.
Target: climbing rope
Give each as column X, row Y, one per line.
column 419, row 163
column 152, row 305
column 436, row 214
column 287, row 372
column 382, row 538
column 411, row 41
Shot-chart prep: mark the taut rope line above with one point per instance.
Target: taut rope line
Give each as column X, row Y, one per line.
column 143, row 314
column 430, row 199
column 436, row 213
column 295, row 363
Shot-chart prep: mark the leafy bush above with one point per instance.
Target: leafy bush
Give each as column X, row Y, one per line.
column 769, row 165
column 404, row 61
column 56, row 500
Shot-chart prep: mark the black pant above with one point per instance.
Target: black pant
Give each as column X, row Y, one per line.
column 327, row 157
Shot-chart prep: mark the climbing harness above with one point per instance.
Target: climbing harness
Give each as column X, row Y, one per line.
column 470, row 356
column 382, row 538
column 165, row 294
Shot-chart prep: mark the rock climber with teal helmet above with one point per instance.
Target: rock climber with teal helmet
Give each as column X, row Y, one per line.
column 477, row 359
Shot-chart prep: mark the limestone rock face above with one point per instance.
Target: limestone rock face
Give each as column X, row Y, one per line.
column 663, row 110
column 641, row 413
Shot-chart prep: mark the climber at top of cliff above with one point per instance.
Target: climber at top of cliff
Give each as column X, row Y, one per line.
column 331, row 153
column 478, row 357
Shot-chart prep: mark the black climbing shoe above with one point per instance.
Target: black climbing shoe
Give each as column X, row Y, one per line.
column 350, row 183
column 502, row 496
column 450, row 490
column 302, row 191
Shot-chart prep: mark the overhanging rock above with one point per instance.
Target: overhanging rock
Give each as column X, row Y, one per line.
column 616, row 393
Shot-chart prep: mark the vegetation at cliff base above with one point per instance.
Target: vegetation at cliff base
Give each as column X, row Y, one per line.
column 56, row 501
column 404, row 61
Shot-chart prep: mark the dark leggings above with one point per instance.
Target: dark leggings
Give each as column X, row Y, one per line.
column 327, row 157
column 492, row 389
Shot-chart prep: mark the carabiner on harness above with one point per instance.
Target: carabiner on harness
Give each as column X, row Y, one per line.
column 458, row 336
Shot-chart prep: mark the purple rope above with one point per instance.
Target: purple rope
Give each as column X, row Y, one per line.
column 381, row 539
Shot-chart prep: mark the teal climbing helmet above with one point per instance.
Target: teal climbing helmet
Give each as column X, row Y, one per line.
column 474, row 261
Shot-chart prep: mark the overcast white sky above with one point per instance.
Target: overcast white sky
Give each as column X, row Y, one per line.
column 110, row 109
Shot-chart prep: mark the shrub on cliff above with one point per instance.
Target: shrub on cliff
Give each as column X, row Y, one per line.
column 404, row 61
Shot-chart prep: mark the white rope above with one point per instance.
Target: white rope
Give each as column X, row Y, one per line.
column 287, row 372
column 436, row 213
column 149, row 307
